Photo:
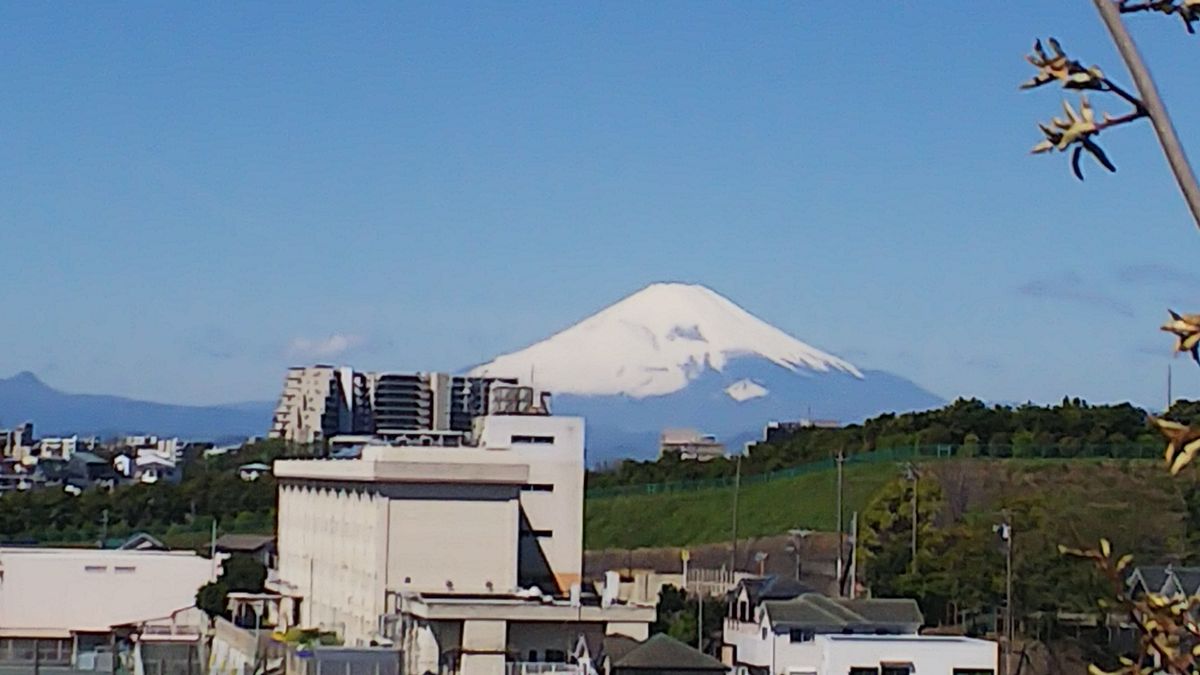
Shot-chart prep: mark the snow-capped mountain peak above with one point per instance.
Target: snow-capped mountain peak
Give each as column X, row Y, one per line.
column 655, row 342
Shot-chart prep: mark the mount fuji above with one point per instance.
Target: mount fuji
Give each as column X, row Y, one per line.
column 682, row 355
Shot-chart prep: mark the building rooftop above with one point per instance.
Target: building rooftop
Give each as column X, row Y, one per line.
column 663, row 652
column 50, row 592
column 408, row 464
column 774, row 587
column 818, row 611
column 244, row 543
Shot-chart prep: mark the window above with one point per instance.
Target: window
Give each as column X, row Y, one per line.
column 863, row 670
column 533, row 656
column 800, row 635
column 532, row 440
column 897, row 669
column 538, row 487
column 974, row 671
column 95, row 568
column 764, row 635
column 556, row 656
column 124, row 569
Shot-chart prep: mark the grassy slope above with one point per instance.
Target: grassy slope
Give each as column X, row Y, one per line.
column 683, row 518
column 1096, row 496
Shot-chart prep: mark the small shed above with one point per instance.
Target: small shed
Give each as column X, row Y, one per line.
column 260, row 546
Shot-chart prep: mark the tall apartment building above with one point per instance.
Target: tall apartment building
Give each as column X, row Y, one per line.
column 17, row 443
column 320, row 402
column 468, row 558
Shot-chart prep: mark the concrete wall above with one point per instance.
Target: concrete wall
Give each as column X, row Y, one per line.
column 559, row 464
column 331, row 548
column 463, row 544
column 483, row 647
column 525, row 637
column 930, row 655
column 836, row 654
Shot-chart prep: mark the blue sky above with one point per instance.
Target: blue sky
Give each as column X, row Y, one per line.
column 194, row 196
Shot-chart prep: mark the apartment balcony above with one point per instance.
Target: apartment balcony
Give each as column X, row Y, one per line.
column 541, row 668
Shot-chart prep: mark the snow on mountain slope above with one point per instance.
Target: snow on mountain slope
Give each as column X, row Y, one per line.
column 655, row 342
column 746, row 389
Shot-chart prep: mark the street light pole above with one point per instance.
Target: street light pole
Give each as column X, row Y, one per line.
column 799, row 535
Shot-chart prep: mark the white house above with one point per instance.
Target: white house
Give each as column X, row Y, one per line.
column 812, row 634
column 468, row 557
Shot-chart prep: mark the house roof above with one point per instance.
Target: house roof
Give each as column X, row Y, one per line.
column 142, row 542
column 815, row 610
column 774, row 588
column 1188, row 578
column 616, row 647
column 1153, row 576
column 246, row 543
column 663, row 652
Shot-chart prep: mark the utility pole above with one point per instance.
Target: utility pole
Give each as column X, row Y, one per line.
column 103, row 528
column 841, row 459
column 212, row 549
column 854, row 555
column 699, row 622
column 1006, row 534
column 913, row 476
column 737, row 488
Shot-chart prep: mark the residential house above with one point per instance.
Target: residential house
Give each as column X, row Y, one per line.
column 253, row 471
column 1166, row 580
column 818, row 635
column 86, row 469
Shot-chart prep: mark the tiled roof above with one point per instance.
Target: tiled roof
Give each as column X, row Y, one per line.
column 663, row 652
column 818, row 611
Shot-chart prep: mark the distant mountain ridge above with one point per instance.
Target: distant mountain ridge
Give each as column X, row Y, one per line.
column 24, row 397
column 682, row 355
column 669, row 355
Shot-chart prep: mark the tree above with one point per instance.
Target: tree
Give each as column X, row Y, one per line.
column 240, row 573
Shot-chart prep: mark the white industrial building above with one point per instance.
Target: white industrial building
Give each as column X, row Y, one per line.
column 468, row 558
column 689, row 444
column 811, row 634
column 76, row 606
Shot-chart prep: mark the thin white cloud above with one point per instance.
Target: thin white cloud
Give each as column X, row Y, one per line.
column 324, row 348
